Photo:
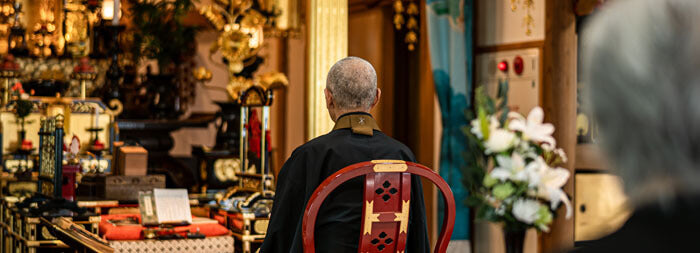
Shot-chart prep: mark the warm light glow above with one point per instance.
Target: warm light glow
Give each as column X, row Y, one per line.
column 503, row 66
column 107, row 9
column 256, row 36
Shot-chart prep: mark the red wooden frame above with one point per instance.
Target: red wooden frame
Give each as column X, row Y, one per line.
column 373, row 182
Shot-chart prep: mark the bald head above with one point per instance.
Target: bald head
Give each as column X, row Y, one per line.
column 352, row 83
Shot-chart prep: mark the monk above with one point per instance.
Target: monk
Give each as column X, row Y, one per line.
column 351, row 91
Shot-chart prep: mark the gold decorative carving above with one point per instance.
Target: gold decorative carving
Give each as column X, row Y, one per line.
column 46, row 234
column 370, row 217
column 46, row 188
column 76, row 32
column 241, row 34
column 412, row 26
column 47, row 164
column 225, row 169
column 251, row 183
column 327, row 43
column 528, row 20
column 403, row 216
column 117, row 105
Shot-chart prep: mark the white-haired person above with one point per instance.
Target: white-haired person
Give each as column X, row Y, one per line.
column 351, row 91
column 642, row 67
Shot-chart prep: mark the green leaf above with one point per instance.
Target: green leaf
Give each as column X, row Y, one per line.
column 489, row 181
column 544, row 216
column 503, row 191
column 503, row 89
column 504, row 116
column 474, row 201
column 484, row 125
column 488, row 213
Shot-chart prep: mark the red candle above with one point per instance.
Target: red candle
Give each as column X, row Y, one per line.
column 98, row 145
column 26, row 145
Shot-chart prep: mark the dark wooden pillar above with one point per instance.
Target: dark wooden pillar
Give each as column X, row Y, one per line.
column 559, row 102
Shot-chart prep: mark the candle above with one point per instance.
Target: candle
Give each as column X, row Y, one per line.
column 108, row 9
column 115, row 20
column 97, row 116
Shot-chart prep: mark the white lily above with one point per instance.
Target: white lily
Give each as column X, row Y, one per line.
column 549, row 187
column 560, row 152
column 534, row 171
column 525, row 210
column 501, row 174
column 512, row 168
column 526, row 150
column 499, row 140
column 548, row 147
column 476, row 126
column 533, row 127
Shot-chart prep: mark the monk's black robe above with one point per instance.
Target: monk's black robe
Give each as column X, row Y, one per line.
column 339, row 220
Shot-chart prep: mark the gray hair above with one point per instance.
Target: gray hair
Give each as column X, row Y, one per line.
column 642, row 67
column 353, row 83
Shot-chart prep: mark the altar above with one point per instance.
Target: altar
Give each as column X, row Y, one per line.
column 91, row 98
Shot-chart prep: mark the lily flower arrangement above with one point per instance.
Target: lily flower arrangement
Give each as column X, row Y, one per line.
column 514, row 174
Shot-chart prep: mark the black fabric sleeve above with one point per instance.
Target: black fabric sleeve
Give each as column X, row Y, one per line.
column 288, row 206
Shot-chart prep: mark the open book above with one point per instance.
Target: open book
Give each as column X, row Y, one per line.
column 165, row 206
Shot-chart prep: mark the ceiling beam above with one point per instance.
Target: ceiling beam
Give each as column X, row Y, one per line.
column 363, row 5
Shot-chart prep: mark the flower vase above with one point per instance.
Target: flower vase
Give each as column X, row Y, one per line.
column 514, row 239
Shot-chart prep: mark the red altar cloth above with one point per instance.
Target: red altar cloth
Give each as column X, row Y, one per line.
column 134, row 232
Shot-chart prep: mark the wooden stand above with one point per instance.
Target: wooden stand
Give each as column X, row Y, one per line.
column 22, row 232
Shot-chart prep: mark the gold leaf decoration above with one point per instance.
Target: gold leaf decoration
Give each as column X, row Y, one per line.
column 216, row 19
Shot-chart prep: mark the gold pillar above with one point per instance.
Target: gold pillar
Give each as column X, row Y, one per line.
column 327, row 42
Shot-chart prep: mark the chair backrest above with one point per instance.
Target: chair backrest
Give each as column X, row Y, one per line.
column 387, row 198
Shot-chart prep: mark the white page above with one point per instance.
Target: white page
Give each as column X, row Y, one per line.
column 172, row 205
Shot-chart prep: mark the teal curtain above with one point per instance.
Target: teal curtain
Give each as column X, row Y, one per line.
column 450, row 39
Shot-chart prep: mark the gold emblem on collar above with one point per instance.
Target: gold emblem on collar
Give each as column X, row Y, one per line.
column 359, row 123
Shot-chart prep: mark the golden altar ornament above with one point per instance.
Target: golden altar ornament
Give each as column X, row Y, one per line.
column 83, row 73
column 240, row 40
column 412, row 27
column 241, row 37
column 202, row 74
column 76, row 28
column 8, row 70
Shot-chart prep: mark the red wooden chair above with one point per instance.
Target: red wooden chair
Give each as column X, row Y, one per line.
column 387, row 200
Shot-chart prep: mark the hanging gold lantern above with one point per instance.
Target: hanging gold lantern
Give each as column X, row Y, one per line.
column 412, row 26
